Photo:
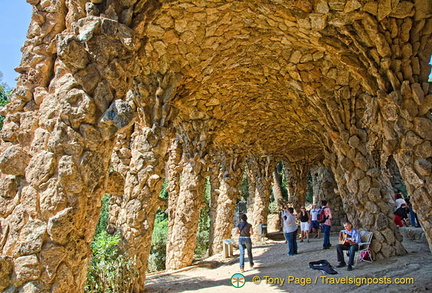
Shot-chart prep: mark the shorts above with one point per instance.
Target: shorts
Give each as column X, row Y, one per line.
column 315, row 225
column 304, row 226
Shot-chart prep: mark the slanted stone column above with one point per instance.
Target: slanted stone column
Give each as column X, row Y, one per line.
column 393, row 50
column 260, row 174
column 362, row 180
column 120, row 161
column 214, row 170
column 276, row 186
column 56, row 143
column 298, row 182
column 289, row 175
column 182, row 233
column 407, row 126
column 141, row 197
column 184, row 210
column 144, row 177
column 174, row 169
column 229, row 178
column 324, row 188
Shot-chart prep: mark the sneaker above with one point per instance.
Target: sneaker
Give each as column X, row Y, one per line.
column 301, row 240
column 241, row 270
column 349, row 268
column 308, row 241
column 341, row 265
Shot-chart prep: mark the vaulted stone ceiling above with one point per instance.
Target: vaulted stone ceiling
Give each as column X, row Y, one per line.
column 241, row 65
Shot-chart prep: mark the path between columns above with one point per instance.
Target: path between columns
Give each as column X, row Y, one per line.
column 271, row 260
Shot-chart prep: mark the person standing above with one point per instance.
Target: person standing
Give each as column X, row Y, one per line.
column 314, row 223
column 245, row 230
column 349, row 238
column 401, row 212
column 284, row 213
column 327, row 224
column 414, row 219
column 399, row 200
column 304, row 223
column 290, row 231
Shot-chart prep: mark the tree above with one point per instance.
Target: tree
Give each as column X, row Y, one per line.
column 4, row 97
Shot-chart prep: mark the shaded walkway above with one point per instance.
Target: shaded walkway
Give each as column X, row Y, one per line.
column 271, row 260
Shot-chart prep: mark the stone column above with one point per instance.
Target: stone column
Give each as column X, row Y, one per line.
column 174, row 169
column 56, row 142
column 325, row 188
column 388, row 57
column 362, row 180
column 120, row 161
column 298, row 183
column 276, row 187
column 229, row 179
column 214, row 195
column 259, row 172
column 186, row 211
column 278, row 198
column 144, row 178
column 141, row 197
column 289, row 182
column 413, row 156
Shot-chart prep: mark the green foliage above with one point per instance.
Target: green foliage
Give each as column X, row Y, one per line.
column 309, row 188
column 4, row 97
column 157, row 255
column 402, row 187
column 111, row 270
column 284, row 189
column 244, row 187
column 104, row 214
column 158, row 246
column 164, row 193
column 273, row 208
column 203, row 235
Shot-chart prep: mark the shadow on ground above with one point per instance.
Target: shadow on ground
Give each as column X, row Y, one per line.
column 279, row 272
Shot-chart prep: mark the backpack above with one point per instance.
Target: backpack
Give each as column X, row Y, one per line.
column 321, row 215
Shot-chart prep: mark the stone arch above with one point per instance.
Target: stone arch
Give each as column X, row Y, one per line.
column 343, row 80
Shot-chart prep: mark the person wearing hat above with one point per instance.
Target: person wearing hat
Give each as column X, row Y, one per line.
column 245, row 231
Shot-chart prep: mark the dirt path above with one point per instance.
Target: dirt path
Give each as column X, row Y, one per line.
column 271, row 260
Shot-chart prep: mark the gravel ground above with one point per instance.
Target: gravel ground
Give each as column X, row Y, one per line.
column 279, row 272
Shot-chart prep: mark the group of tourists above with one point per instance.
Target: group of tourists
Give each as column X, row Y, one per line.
column 313, row 221
column 308, row 221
